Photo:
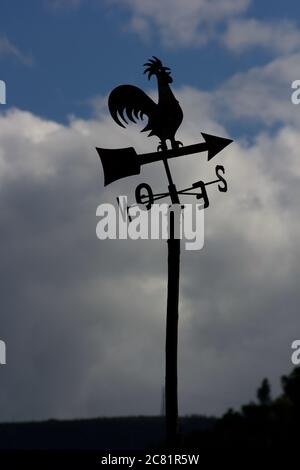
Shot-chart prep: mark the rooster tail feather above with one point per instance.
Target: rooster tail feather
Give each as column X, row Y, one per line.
column 133, row 101
column 114, row 115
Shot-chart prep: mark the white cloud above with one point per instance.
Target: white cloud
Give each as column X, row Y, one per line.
column 263, row 94
column 8, row 49
column 179, row 23
column 281, row 37
column 193, row 23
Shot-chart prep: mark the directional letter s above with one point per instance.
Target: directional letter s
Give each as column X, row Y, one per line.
column 222, row 187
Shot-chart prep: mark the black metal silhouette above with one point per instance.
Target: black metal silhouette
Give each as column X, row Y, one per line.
column 148, row 198
column 164, row 119
column 120, row 163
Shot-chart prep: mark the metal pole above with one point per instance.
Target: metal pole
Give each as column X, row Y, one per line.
column 171, row 393
column 172, row 343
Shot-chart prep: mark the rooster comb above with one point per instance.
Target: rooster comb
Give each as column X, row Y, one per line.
column 153, row 66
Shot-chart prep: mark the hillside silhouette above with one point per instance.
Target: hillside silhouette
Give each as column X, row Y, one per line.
column 266, row 424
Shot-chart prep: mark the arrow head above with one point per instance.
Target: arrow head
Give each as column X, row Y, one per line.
column 214, row 144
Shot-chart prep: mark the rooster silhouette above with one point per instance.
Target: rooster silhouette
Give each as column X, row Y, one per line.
column 164, row 117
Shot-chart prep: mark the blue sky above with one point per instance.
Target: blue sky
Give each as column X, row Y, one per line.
column 84, row 319
column 77, row 51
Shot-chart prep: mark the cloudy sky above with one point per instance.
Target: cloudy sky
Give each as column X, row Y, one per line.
column 83, row 319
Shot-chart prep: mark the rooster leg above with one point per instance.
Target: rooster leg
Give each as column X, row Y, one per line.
column 176, row 143
column 162, row 146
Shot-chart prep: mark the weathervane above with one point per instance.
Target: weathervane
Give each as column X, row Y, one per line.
column 164, row 119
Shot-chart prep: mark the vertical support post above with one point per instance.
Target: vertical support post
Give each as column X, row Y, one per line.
column 171, row 388
column 172, row 342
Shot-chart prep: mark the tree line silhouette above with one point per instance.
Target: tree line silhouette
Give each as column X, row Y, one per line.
column 266, row 424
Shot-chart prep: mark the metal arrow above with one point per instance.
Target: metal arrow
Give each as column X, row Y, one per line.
column 120, row 163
